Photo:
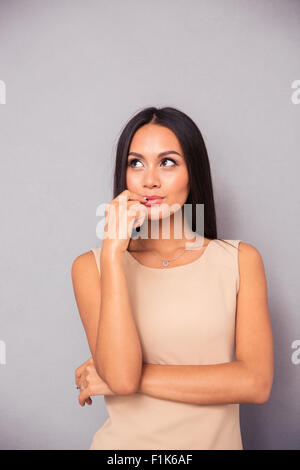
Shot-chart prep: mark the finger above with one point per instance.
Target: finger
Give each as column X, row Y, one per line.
column 82, row 366
column 79, row 371
column 136, row 210
column 83, row 384
column 77, row 379
column 141, row 215
column 131, row 196
column 79, row 374
column 83, row 396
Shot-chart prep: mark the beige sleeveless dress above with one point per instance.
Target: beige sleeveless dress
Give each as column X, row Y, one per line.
column 184, row 315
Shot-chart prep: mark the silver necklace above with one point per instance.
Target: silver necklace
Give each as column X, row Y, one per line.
column 166, row 262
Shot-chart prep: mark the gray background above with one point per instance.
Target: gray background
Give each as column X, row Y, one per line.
column 75, row 72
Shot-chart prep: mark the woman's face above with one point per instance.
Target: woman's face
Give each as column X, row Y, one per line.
column 151, row 174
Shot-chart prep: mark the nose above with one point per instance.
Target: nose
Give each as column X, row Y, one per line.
column 151, row 178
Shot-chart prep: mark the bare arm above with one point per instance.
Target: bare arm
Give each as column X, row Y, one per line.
column 118, row 350
column 203, row 385
column 105, row 311
column 249, row 378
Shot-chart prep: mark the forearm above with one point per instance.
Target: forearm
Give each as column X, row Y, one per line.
column 212, row 384
column 118, row 354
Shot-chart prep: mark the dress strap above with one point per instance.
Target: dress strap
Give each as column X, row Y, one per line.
column 97, row 252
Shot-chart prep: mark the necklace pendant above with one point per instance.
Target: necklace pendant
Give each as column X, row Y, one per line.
column 165, row 263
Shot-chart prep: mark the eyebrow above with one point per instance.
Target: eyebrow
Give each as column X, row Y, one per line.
column 162, row 154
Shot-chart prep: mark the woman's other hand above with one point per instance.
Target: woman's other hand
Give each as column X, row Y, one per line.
column 87, row 376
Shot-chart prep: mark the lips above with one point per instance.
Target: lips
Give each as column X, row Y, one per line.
column 153, row 200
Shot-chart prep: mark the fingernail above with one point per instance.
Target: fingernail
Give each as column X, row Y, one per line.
column 146, row 199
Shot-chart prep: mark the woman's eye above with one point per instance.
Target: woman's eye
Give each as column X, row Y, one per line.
column 170, row 160
column 131, row 162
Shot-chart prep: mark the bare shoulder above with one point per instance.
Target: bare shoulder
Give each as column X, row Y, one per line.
column 248, row 253
column 248, row 249
column 84, row 268
column 84, row 260
column 251, row 267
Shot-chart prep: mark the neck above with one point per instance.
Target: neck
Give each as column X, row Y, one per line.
column 168, row 245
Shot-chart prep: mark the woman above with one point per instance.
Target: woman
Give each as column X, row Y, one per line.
column 178, row 327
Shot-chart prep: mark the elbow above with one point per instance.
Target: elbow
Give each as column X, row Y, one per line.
column 262, row 392
column 117, row 388
column 130, row 390
column 131, row 387
column 121, row 389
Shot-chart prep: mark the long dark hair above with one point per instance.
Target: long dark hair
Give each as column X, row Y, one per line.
column 195, row 154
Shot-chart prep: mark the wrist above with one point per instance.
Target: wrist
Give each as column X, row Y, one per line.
column 111, row 254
